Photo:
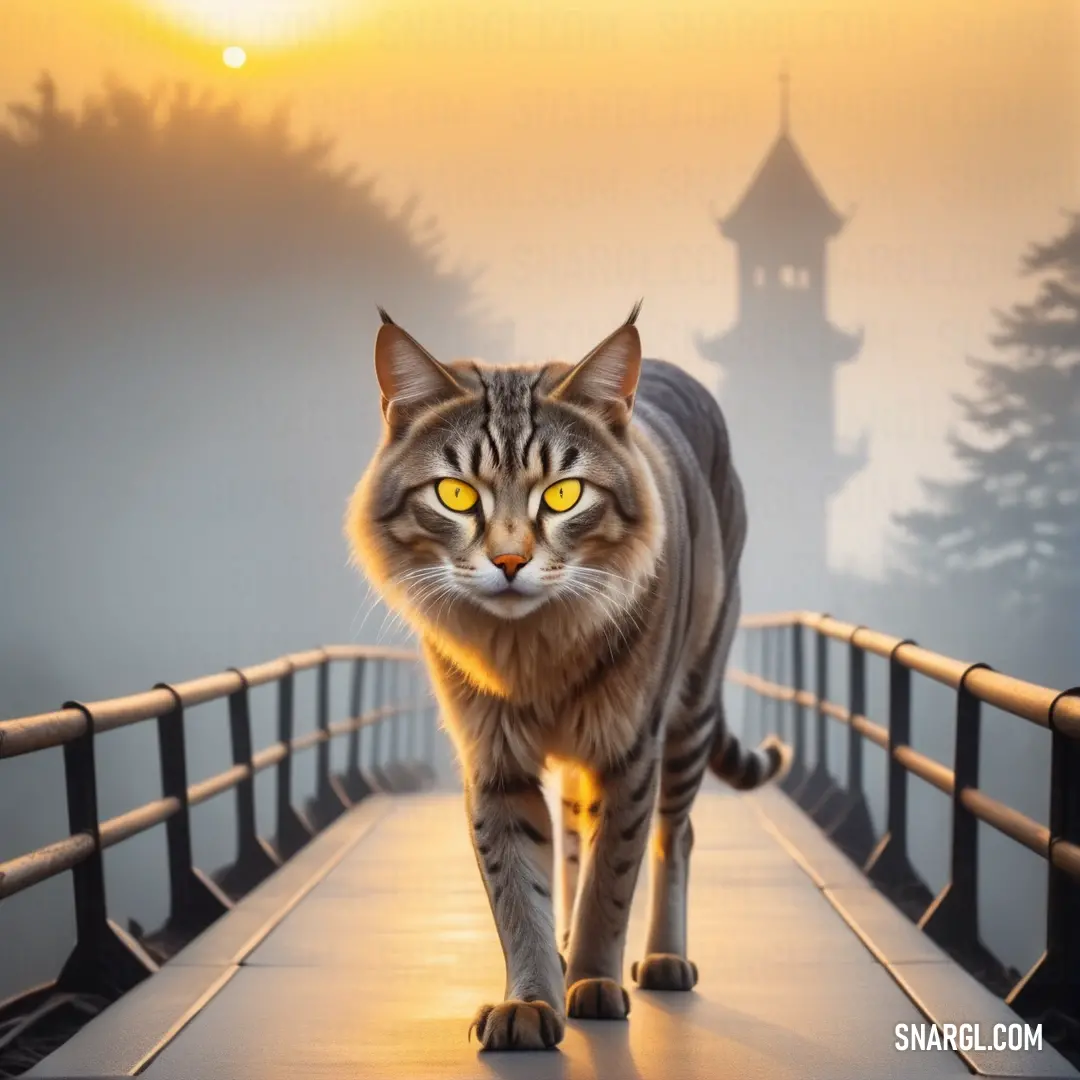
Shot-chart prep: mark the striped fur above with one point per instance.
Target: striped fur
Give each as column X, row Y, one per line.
column 590, row 638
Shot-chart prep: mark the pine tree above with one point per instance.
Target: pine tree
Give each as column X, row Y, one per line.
column 1010, row 525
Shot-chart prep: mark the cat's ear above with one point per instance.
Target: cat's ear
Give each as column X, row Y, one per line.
column 410, row 378
column 606, row 380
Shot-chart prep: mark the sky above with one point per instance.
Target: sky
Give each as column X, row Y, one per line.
column 577, row 156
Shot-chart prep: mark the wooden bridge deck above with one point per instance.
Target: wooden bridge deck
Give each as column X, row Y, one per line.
column 368, row 953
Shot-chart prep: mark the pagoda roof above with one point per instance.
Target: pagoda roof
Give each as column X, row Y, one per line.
column 783, row 197
column 740, row 344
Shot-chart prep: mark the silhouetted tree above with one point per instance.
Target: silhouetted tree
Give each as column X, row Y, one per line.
column 1010, row 526
column 185, row 191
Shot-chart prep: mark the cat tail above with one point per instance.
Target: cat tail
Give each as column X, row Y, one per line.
column 745, row 769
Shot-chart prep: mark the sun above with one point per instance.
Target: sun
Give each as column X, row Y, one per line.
column 270, row 23
column 234, row 57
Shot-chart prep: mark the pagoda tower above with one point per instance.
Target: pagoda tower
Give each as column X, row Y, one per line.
column 779, row 362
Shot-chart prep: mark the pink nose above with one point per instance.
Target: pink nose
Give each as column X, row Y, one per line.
column 509, row 564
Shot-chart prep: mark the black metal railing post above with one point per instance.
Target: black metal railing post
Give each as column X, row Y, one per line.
column 392, row 768
column 1063, row 901
column 797, row 774
column 753, row 709
column 404, row 775
column 856, row 707
column 851, row 829
column 408, row 720
column 889, row 864
column 256, row 859
column 395, row 702
column 330, row 800
column 195, row 900
column 417, row 775
column 768, row 667
column 1053, row 984
column 354, row 782
column 820, row 790
column 378, row 773
column 293, row 830
column 765, row 648
column 952, row 919
column 780, row 708
column 106, row 960
column 424, row 758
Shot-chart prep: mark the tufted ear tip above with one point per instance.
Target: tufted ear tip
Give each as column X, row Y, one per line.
column 410, row 378
column 607, row 378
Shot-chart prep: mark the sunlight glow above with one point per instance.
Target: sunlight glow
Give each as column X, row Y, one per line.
column 265, row 22
column 234, row 56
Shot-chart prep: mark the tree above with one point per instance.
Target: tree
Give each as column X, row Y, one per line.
column 1010, row 525
column 177, row 190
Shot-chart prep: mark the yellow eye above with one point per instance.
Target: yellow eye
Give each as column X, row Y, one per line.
column 563, row 495
column 456, row 495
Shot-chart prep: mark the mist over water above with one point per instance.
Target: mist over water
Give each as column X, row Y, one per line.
column 187, row 308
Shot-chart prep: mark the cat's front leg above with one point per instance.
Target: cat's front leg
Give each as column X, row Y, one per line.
column 617, row 818
column 512, row 835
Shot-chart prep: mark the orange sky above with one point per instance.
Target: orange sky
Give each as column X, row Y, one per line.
column 578, row 151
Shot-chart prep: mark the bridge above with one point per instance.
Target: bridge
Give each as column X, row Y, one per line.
column 356, row 940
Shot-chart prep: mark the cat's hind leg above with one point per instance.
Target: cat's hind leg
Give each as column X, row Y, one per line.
column 685, row 760
column 616, row 817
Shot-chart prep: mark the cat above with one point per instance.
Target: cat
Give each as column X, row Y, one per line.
column 565, row 539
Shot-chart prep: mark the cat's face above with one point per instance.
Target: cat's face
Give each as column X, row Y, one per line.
column 505, row 490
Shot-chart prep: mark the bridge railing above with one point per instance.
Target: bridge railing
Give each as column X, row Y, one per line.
column 950, row 917
column 106, row 960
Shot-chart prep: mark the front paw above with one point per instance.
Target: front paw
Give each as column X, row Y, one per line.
column 518, row 1025
column 597, row 999
column 664, row 971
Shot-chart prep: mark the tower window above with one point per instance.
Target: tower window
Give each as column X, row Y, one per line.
column 794, row 277
column 759, row 276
